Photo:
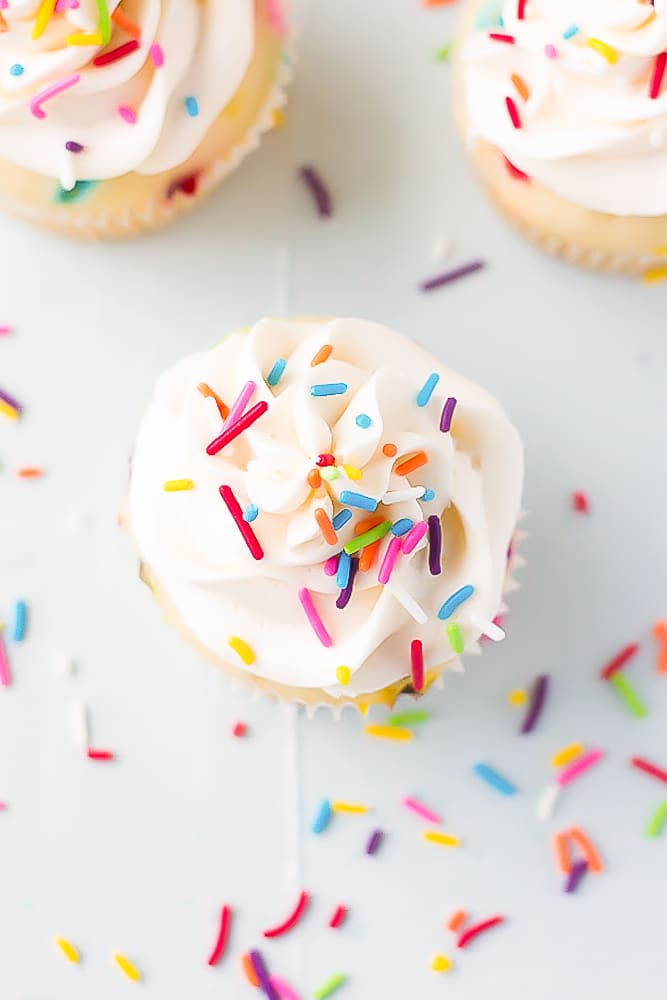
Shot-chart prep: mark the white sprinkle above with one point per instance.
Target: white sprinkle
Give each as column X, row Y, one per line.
column 63, row 665
column 492, row 631
column 442, row 248
column 214, row 417
column 400, row 496
column 408, row 602
column 67, row 172
column 78, row 720
column 547, row 801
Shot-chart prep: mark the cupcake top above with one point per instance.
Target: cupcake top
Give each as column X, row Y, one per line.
column 359, row 497
column 574, row 93
column 93, row 89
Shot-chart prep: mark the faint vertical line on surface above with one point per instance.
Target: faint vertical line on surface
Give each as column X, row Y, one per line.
column 282, row 281
column 294, row 802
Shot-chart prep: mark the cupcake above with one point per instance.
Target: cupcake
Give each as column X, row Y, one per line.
column 325, row 510
column 117, row 116
column 563, row 104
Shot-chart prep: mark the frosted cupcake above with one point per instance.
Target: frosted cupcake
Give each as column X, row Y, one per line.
column 116, row 116
column 325, row 510
column 564, row 107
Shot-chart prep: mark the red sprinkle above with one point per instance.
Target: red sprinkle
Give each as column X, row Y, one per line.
column 657, row 75
column 100, row 754
column 248, row 535
column 238, row 427
column 223, row 934
column 113, row 55
column 619, row 661
column 649, row 768
column 240, row 729
column 580, row 502
column 338, row 916
column 513, row 112
column 292, row 920
column 476, row 929
column 515, row 172
column 521, row 10
column 417, row 664
column 497, row 37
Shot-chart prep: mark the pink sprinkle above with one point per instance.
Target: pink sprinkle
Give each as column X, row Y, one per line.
column 239, row 405
column 52, row 91
column 240, row 729
column 313, row 617
column 276, row 16
column 331, row 566
column 389, row 561
column 578, row 766
column 127, row 114
column 5, row 676
column 414, row 537
column 5, row 330
column 421, row 810
column 157, row 55
column 550, row 51
column 284, row 991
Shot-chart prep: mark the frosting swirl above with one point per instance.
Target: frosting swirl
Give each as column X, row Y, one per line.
column 586, row 79
column 313, row 452
column 145, row 109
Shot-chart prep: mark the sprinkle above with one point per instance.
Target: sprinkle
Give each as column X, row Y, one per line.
column 44, row 14
column 456, row 600
column 517, row 697
column 128, row 26
column 493, row 631
column 113, row 55
column 175, row 485
column 10, row 402
column 127, row 967
column 571, row 31
column 659, row 632
column 444, row 839
column 585, row 845
column 94, row 754
column 547, row 801
column 322, row 355
column 331, row 565
column 29, row 472
column 242, row 649
column 580, row 502
column 325, row 459
column 283, row 989
column 70, row 952
column 414, row 537
column 363, row 420
column 426, row 391
column 428, row 495
column 338, row 916
column 536, row 706
column 352, row 472
column 20, row 621
column 657, row 75
column 248, row 535
column 450, row 276
column 83, row 39
column 343, row 598
column 313, row 617
column 249, row 971
column 5, row 329
column 233, row 429
column 401, row 496
column 262, row 975
column 240, row 729
column 374, row 842
column 562, row 852
column 409, row 465
column 104, row 20
column 8, row 411
column 657, row 821
column 606, row 51
column 341, row 519
column 550, row 51
column 318, row 190
column 292, row 920
column 191, row 106
column 241, row 401
column 250, row 513
column 373, row 535
column 389, row 450
column 16, row 69
column 566, row 754
column 619, row 661
column 417, row 664
column 456, row 920
column 157, row 55
column 649, row 768
column 455, row 637
column 5, row 676
column 575, row 875
column 353, row 808
column 127, row 113
column 326, row 527
column 653, row 275
column 328, row 389
column 476, row 929
column 343, row 572
column 497, row 37
column 53, row 91
column 314, row 479
column 343, row 675
column 401, row 527
column 447, row 414
column 322, row 817
column 330, row 986
column 441, row 963
column 578, row 767
column 368, row 557
column 276, row 373
column 522, row 90
column 421, row 810
column 513, row 112
column 444, row 52
column 495, row 780
column 628, row 695
column 407, row 718
column 389, row 561
column 223, row 934
column 389, row 733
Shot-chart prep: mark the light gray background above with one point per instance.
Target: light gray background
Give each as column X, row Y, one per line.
column 137, row 856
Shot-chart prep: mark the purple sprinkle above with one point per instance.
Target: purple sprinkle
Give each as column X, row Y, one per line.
column 575, row 876
column 374, row 842
column 435, row 544
column 318, row 190
column 447, row 414
column 10, row 401
column 343, row 598
column 536, row 704
column 73, row 147
column 445, row 279
column 263, row 975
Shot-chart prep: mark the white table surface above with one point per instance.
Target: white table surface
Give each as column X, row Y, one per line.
column 137, row 856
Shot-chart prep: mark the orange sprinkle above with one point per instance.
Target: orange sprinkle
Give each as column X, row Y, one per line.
column 562, row 850
column 314, row 479
column 367, row 523
column 660, row 633
column 322, row 355
column 29, row 472
column 249, row 970
column 367, row 557
column 409, row 465
column 521, row 87
column 586, row 847
column 124, row 22
column 207, row 391
column 456, row 920
column 326, row 527
column 389, row 450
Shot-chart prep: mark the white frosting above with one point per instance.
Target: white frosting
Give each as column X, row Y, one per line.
column 590, row 131
column 196, row 551
column 206, row 45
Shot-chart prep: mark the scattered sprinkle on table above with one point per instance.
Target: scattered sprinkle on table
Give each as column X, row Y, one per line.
column 494, row 779
column 415, row 718
column 517, row 697
column 292, row 920
column 29, row 472
column 421, row 810
column 354, row 808
column 338, row 916
column 318, row 189
column 587, row 848
column 578, row 767
column 580, row 502
column 628, row 695
column 659, row 632
column 439, row 280
column 619, row 661
column 5, row 674
column 94, row 753
column 443, row 839
column 283, row 989
column 575, row 875
column 262, row 975
column 127, row 967
column 645, row 765
column 536, row 705
column 221, row 939
column 657, row 821
column 444, row 52
column 330, row 986
column 389, row 732
column 249, row 970
column 562, row 852
column 240, row 729
column 456, row 921
column 69, row 950
column 20, row 621
column 566, row 754
column 322, row 817
column 374, row 842
column 441, row 963
column 472, row 932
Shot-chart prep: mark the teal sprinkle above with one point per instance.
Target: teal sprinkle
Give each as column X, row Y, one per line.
column 571, row 31
column 401, row 527
column 426, row 391
column 363, row 420
column 276, row 373
column 428, row 495
column 192, row 106
column 17, row 69
column 80, row 190
column 490, row 15
column 322, row 817
column 251, row 512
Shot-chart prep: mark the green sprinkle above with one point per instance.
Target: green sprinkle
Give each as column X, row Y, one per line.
column 104, row 21
column 80, row 190
column 628, row 695
column 379, row 531
column 444, row 52
column 330, row 987
column 657, row 820
column 407, row 718
column 330, row 472
column 455, row 637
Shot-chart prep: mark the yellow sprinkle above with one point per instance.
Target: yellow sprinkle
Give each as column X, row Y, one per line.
column 446, row 839
column 566, row 754
column 389, row 732
column 46, row 9
column 611, row 55
column 174, row 485
column 517, row 697
column 349, row 807
column 278, row 117
column 661, row 251
column 655, row 274
column 441, row 963
column 126, row 966
column 343, row 675
column 243, row 649
column 83, row 39
column 68, row 950
column 8, row 411
column 352, row 472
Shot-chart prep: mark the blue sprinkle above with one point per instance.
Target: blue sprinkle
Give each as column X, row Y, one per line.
column 17, row 69
column 251, row 512
column 276, row 373
column 192, row 106
column 322, row 818
column 358, row 500
column 20, row 620
column 328, row 389
column 428, row 495
column 401, row 527
column 341, row 518
column 343, row 573
column 571, row 31
column 453, row 602
column 426, row 391
column 363, row 420
column 494, row 779
column 490, row 15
